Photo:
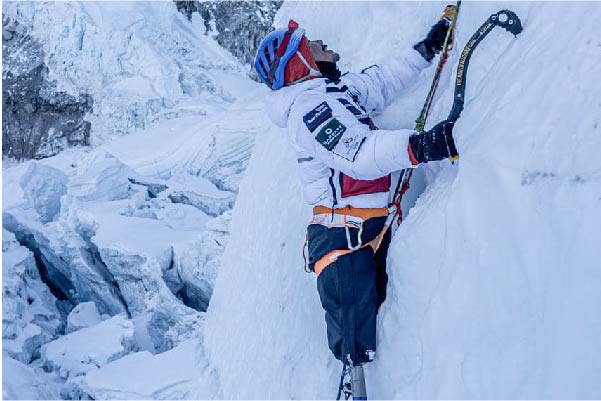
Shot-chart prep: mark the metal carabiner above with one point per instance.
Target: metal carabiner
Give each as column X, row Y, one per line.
column 305, row 252
column 348, row 236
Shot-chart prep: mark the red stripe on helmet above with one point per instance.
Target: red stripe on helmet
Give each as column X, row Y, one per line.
column 296, row 69
column 282, row 49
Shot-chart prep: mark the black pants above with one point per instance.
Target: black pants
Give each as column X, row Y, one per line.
column 351, row 292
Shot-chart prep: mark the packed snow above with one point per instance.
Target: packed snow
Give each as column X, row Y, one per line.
column 494, row 274
column 142, row 375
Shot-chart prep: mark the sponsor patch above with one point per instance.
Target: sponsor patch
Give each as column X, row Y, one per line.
column 330, row 134
column 317, row 116
column 349, row 144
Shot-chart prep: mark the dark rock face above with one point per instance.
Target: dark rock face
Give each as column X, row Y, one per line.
column 37, row 121
column 238, row 26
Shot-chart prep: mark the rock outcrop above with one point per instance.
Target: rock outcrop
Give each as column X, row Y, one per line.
column 238, row 26
column 38, row 120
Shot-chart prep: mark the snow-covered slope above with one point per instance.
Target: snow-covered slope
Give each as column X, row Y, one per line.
column 494, row 275
column 136, row 225
column 133, row 227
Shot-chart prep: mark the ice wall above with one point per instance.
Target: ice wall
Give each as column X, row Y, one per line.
column 494, row 275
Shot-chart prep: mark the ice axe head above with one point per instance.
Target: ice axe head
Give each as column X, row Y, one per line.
column 508, row 20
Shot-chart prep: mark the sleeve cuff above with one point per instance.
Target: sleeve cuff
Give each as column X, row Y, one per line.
column 415, row 58
column 426, row 54
column 412, row 157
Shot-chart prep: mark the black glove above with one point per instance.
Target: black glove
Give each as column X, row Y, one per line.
column 434, row 41
column 436, row 144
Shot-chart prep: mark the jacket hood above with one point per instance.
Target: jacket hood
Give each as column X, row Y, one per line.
column 279, row 102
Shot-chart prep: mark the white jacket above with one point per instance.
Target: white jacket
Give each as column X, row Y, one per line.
column 333, row 146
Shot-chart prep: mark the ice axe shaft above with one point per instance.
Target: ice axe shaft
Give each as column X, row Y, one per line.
column 420, row 123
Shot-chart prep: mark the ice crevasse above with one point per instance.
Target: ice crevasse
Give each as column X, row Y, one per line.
column 494, row 274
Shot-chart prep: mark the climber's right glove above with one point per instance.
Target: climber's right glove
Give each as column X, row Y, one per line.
column 436, row 144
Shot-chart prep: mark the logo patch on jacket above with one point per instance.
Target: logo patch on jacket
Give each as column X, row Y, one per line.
column 317, row 116
column 330, row 134
column 349, row 144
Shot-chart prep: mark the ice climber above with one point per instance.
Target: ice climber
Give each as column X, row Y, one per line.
column 345, row 163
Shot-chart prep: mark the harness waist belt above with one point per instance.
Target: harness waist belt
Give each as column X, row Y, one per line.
column 362, row 213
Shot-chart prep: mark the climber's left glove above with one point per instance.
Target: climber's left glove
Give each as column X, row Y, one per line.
column 434, row 41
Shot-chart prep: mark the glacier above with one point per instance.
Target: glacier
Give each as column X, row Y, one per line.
column 176, row 237
column 121, row 241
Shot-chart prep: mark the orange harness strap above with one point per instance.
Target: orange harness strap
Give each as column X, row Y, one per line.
column 330, row 258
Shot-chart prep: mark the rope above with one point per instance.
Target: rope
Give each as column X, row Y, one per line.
column 406, row 174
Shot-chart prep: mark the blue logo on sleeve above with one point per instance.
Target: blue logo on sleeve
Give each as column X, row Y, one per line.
column 317, row 116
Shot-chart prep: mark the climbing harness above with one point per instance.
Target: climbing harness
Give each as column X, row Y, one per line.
column 347, row 218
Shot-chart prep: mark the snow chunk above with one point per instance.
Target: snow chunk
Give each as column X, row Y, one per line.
column 24, row 346
column 72, row 265
column 43, row 187
column 13, row 253
column 154, row 189
column 198, row 265
column 141, row 375
column 105, row 178
column 208, row 205
column 200, row 193
column 137, row 252
column 79, row 352
column 83, row 315
column 7, row 239
column 30, row 317
column 21, row 382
